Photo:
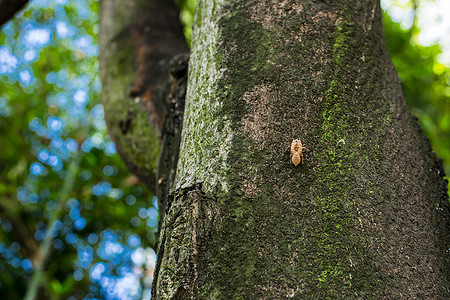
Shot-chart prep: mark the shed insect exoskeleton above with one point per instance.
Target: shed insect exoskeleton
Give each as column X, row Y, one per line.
column 296, row 152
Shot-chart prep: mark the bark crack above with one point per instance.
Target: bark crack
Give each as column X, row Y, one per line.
column 189, row 215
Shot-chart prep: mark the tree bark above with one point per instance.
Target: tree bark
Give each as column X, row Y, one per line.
column 143, row 60
column 365, row 216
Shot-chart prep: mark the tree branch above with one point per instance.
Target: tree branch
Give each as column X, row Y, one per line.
column 44, row 250
column 21, row 232
column 9, row 8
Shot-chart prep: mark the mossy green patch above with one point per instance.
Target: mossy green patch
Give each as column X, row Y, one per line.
column 338, row 241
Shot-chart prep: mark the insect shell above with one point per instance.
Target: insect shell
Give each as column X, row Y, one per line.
column 296, row 152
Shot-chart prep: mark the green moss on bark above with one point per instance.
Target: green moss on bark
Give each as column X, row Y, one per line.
column 261, row 76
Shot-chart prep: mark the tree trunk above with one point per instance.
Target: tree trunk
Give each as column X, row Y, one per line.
column 365, row 216
column 143, row 60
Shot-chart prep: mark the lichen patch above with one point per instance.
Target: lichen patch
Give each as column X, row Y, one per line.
column 255, row 123
column 269, row 15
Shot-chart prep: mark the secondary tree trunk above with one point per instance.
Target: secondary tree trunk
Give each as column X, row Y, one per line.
column 143, row 60
column 367, row 214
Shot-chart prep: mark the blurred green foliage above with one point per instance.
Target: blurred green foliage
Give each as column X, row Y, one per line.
column 187, row 9
column 51, row 124
column 51, row 118
column 425, row 83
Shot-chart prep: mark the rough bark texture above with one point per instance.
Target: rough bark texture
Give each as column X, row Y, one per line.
column 142, row 65
column 8, row 8
column 171, row 133
column 367, row 214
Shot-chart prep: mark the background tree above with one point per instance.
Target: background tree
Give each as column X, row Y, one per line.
column 79, row 263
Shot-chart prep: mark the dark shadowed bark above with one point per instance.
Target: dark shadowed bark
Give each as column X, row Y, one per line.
column 8, row 8
column 143, row 59
column 366, row 215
